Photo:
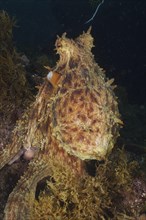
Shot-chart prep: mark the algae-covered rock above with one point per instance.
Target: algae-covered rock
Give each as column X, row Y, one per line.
column 97, row 197
column 15, row 93
column 14, row 88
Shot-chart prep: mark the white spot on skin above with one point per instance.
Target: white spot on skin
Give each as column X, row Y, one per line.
column 49, row 75
column 29, row 153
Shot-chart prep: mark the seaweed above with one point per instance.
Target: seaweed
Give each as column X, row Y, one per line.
column 98, row 196
column 14, row 88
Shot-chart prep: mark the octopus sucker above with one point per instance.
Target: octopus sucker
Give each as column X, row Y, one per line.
column 67, row 122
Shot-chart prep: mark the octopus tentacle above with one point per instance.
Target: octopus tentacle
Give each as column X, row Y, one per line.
column 21, row 199
column 7, row 154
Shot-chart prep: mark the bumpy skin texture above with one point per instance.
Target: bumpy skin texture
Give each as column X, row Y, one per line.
column 77, row 119
column 84, row 110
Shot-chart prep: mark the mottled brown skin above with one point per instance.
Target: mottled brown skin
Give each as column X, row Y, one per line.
column 77, row 119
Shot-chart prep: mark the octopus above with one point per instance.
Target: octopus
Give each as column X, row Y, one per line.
column 74, row 118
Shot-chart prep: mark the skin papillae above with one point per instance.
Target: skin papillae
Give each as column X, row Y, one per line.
column 74, row 120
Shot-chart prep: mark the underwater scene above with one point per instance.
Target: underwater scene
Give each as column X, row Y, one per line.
column 72, row 110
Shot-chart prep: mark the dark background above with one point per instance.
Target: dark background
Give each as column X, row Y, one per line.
column 119, row 30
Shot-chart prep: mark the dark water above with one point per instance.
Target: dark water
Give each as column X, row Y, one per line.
column 119, row 30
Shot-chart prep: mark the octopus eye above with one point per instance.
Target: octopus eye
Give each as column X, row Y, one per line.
column 53, row 78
